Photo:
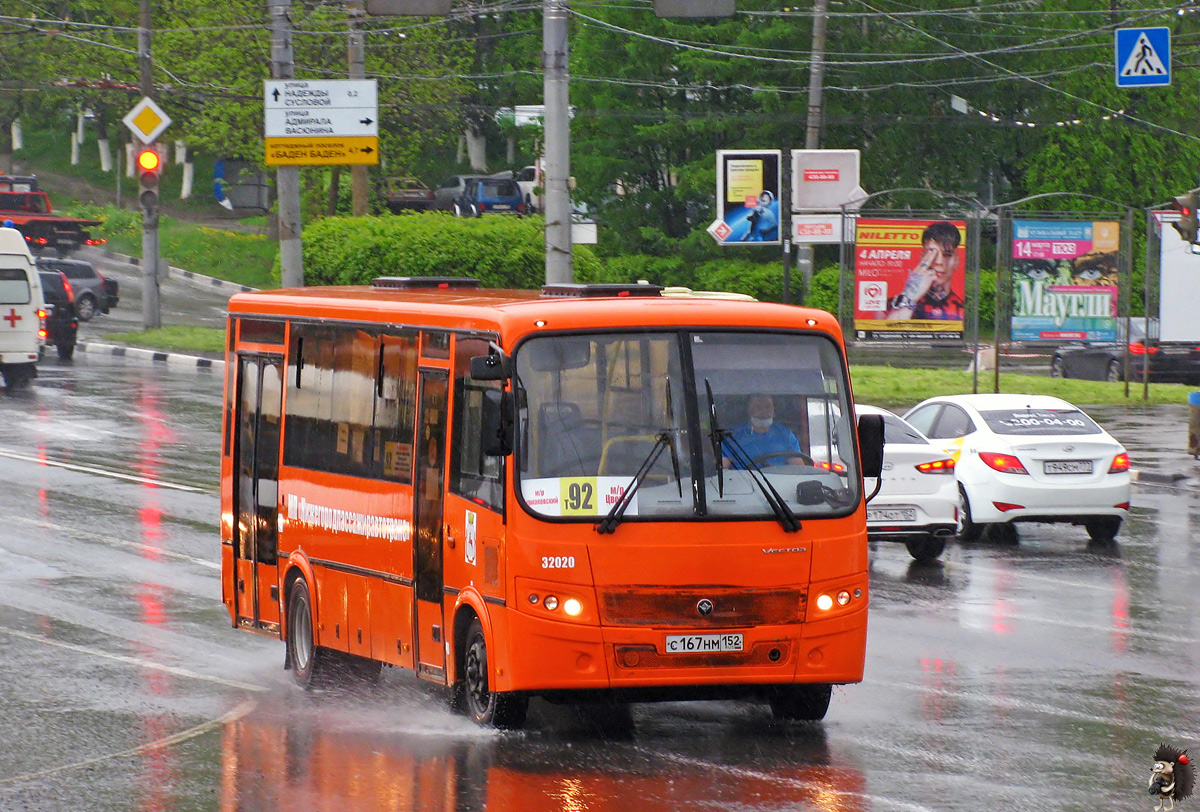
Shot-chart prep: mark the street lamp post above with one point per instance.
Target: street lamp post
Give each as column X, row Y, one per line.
column 557, row 172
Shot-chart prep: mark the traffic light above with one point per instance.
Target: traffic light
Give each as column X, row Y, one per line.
column 1187, row 225
column 149, row 171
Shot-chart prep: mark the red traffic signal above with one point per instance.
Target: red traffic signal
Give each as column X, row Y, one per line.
column 148, row 160
column 1188, row 224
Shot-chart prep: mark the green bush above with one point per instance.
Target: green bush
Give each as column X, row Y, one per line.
column 499, row 251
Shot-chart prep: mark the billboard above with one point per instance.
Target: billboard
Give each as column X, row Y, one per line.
column 748, row 183
column 909, row 280
column 1065, row 277
column 1179, row 268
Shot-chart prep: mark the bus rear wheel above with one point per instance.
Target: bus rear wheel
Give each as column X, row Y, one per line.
column 800, row 703
column 475, row 698
column 312, row 666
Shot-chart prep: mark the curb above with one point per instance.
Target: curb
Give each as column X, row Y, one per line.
column 1159, row 477
column 180, row 273
column 155, row 356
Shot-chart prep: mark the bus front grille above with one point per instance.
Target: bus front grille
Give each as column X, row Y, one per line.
column 715, row 607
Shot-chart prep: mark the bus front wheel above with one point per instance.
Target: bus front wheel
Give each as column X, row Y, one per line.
column 310, row 663
column 800, row 703
column 476, row 699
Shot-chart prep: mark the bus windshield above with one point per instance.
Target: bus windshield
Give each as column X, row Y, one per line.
column 717, row 425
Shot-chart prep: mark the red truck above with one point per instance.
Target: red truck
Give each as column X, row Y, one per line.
column 31, row 213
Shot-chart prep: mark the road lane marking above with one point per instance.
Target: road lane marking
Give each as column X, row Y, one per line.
column 113, row 541
column 135, row 661
column 234, row 715
column 87, row 469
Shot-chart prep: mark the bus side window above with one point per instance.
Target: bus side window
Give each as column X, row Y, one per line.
column 473, row 474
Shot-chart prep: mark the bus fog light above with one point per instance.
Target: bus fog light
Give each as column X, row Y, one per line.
column 550, row 603
column 533, row 598
column 843, row 598
column 572, row 606
column 858, row 593
column 824, row 603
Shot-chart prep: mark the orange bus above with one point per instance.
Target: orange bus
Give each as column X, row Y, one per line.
column 570, row 493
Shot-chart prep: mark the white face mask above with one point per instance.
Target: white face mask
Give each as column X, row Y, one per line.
column 761, row 423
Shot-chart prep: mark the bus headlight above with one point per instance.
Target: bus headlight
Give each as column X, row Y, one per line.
column 824, row 602
column 572, row 607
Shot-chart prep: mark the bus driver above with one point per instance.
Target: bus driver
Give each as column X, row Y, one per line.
column 760, row 436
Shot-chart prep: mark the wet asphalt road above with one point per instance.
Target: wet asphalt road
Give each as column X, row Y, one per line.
column 1036, row 676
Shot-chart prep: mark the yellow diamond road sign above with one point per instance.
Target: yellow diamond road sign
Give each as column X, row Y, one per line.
column 147, row 120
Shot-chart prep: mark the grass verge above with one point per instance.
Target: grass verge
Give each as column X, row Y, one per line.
column 206, row 340
column 891, row 387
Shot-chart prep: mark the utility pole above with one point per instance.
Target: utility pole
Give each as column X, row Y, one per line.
column 812, row 133
column 556, row 178
column 287, row 178
column 151, row 312
column 359, row 186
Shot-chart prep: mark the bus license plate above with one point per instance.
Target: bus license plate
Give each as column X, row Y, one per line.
column 693, row 643
column 1068, row 467
column 891, row 514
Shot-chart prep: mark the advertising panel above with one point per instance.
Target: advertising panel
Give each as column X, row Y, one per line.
column 1179, row 266
column 909, row 280
column 1065, row 280
column 748, row 183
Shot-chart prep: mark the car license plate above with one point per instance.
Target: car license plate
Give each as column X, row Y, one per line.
column 891, row 514
column 501, row 207
column 1067, row 467
column 693, row 643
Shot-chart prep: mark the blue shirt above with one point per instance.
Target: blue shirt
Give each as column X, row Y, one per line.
column 757, row 443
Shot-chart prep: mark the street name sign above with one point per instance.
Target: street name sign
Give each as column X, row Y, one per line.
column 321, row 122
column 1142, row 57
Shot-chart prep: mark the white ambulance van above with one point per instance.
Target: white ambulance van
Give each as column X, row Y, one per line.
column 21, row 306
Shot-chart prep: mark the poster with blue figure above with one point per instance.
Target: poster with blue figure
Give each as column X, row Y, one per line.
column 748, row 184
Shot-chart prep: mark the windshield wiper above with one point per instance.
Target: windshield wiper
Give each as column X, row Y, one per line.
column 609, row 523
column 715, row 434
column 779, row 507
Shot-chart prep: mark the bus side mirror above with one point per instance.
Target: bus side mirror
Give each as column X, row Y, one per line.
column 489, row 367
column 870, row 444
column 497, row 418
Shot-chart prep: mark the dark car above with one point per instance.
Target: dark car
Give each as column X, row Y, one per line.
column 487, row 195
column 61, row 324
column 1105, row 360
column 91, row 294
column 448, row 193
column 407, row 194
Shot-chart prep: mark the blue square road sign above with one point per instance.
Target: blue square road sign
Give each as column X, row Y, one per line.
column 1143, row 57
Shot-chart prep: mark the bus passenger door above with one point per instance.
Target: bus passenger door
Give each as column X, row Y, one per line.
column 430, row 452
column 256, row 491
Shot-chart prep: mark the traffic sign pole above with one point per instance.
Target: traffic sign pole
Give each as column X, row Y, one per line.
column 287, row 178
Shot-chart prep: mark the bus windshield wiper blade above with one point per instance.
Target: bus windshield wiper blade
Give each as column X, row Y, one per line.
column 779, row 507
column 609, row 523
column 716, row 434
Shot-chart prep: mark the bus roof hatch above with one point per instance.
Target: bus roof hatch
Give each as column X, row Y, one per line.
column 424, row 282
column 598, row 290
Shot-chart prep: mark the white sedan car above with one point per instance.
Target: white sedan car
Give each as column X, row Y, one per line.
column 917, row 502
column 1028, row 458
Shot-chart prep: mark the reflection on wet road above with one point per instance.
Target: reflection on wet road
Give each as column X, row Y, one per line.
column 1037, row 675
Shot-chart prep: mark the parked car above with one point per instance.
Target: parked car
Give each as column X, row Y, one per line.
column 61, row 324
column 447, row 194
column 489, row 195
column 1105, row 360
column 917, row 502
column 407, row 194
column 527, row 179
column 1028, row 458
column 91, row 294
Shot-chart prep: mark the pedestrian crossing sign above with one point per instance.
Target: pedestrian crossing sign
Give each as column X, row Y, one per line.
column 1143, row 57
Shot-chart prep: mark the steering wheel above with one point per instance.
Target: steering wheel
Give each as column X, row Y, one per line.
column 761, row 458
